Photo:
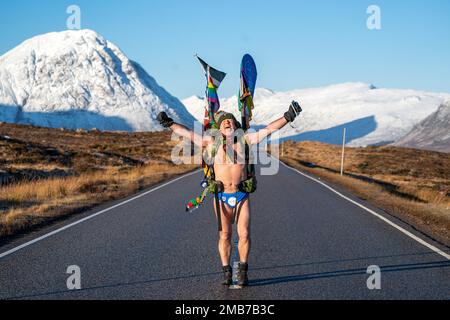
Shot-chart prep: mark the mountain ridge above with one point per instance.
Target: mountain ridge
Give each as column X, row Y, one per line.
column 432, row 133
column 78, row 79
column 372, row 115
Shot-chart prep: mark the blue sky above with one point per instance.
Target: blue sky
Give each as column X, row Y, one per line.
column 296, row 44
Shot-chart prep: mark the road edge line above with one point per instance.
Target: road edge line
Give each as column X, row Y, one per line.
column 392, row 224
column 28, row 243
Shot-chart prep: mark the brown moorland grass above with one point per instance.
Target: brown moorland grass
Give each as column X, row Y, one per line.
column 47, row 174
column 32, row 203
column 412, row 185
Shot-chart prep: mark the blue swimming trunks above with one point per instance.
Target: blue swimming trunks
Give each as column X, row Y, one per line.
column 232, row 199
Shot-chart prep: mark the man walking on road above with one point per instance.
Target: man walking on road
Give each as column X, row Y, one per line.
column 226, row 149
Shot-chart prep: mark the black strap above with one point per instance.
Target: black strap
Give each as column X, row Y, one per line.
column 216, row 198
column 219, row 212
column 234, row 212
column 237, row 212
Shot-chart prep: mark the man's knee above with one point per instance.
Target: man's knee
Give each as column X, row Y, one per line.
column 225, row 236
column 244, row 235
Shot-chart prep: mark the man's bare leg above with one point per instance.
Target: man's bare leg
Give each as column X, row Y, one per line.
column 243, row 230
column 226, row 233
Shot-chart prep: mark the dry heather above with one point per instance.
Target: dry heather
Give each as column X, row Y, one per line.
column 47, row 174
column 411, row 184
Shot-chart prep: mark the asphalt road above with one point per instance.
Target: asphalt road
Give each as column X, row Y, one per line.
column 308, row 243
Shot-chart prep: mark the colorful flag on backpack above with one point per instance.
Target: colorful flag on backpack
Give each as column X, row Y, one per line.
column 214, row 77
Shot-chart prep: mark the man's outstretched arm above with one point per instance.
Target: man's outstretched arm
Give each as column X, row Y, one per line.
column 289, row 116
column 181, row 130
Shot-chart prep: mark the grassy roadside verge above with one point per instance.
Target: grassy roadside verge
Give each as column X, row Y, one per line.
column 36, row 203
column 409, row 184
column 49, row 174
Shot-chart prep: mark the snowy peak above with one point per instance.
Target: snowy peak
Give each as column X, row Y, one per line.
column 57, row 43
column 263, row 93
column 432, row 133
column 78, row 79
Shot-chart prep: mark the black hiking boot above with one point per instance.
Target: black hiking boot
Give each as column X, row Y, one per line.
column 242, row 278
column 227, row 275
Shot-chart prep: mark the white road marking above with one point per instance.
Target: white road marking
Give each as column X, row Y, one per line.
column 406, row 232
column 4, row 254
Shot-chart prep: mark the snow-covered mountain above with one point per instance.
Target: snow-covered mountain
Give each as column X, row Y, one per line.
column 78, row 79
column 433, row 133
column 371, row 115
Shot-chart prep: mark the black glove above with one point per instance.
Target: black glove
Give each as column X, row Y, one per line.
column 164, row 120
column 294, row 111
